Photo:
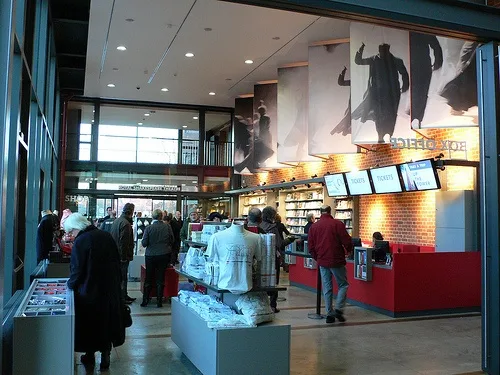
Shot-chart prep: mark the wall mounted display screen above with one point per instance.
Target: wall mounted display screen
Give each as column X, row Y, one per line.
column 335, row 185
column 386, row 180
column 358, row 183
column 419, row 175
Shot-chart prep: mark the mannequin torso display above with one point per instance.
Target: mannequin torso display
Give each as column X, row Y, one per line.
column 234, row 250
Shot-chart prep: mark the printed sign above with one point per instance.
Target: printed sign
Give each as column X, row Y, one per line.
column 358, row 183
column 386, row 180
column 419, row 175
column 335, row 185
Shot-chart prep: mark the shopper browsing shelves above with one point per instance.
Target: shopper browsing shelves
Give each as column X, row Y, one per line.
column 329, row 243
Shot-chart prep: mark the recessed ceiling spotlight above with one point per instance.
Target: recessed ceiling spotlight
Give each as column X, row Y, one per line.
column 164, row 89
column 184, row 126
column 144, row 180
column 111, row 85
column 208, row 29
column 276, row 38
column 121, row 48
column 129, row 19
column 248, row 61
column 146, row 114
column 139, row 123
column 189, row 54
column 211, row 93
column 195, row 117
column 92, row 121
column 194, row 182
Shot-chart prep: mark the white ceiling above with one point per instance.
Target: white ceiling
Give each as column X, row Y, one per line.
column 239, row 32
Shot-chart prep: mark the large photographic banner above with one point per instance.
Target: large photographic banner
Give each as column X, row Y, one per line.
column 443, row 82
column 243, row 136
column 265, row 126
column 379, row 84
column 329, row 100
column 293, row 106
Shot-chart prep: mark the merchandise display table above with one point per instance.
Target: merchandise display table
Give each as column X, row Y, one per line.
column 225, row 295
column 246, row 351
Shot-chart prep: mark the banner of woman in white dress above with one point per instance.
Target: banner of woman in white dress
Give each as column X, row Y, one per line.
column 330, row 100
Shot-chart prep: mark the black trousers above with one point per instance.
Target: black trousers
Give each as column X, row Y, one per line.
column 273, row 296
column 155, row 270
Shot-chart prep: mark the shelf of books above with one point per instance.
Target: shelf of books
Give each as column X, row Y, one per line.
column 363, row 263
column 300, row 203
column 344, row 211
column 247, row 202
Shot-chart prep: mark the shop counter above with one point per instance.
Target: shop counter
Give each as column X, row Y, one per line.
column 415, row 284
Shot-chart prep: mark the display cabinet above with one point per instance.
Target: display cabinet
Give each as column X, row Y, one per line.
column 43, row 338
column 363, row 263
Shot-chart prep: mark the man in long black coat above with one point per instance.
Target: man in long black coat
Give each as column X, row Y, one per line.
column 95, row 279
column 44, row 236
column 381, row 99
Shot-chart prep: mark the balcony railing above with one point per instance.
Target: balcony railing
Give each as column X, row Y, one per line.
column 219, row 153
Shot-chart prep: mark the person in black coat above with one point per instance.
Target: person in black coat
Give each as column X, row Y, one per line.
column 95, row 279
column 158, row 239
column 44, row 236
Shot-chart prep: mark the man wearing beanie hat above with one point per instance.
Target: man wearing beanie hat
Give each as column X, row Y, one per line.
column 122, row 233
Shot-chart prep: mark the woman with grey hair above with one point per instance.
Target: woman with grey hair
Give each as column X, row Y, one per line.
column 310, row 221
column 95, row 279
column 158, row 239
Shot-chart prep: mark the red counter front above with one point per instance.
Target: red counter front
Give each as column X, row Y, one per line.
column 416, row 284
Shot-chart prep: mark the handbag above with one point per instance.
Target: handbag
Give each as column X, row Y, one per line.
column 126, row 315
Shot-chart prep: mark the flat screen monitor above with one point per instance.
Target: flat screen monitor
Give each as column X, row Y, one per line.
column 420, row 175
column 358, row 183
column 386, row 180
column 381, row 249
column 356, row 242
column 335, row 185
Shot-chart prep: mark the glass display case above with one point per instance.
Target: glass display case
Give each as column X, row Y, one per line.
column 44, row 324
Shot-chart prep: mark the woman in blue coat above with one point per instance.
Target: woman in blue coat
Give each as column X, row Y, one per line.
column 95, row 279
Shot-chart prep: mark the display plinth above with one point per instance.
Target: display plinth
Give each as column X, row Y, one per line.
column 245, row 351
column 43, row 338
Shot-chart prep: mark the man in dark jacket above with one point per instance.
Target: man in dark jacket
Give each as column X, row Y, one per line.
column 158, row 240
column 193, row 218
column 122, row 233
column 269, row 225
column 44, row 236
column 329, row 243
column 108, row 223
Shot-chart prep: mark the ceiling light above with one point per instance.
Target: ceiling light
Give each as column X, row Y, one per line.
column 111, row 85
column 276, row 38
column 115, row 69
column 121, row 48
column 229, row 79
column 92, row 121
column 164, row 89
column 146, row 114
column 211, row 93
column 139, row 123
column 195, row 117
column 144, row 180
column 184, row 126
column 248, row 61
column 129, row 19
column 194, row 182
column 207, row 29
column 189, row 54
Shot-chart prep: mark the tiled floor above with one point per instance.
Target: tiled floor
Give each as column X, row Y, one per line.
column 368, row 343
